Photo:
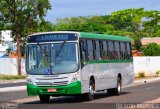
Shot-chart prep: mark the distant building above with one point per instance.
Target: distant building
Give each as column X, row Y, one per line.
column 147, row 40
column 6, row 42
column 137, row 53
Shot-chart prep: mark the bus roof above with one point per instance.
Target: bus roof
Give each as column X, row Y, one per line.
column 86, row 35
column 104, row 36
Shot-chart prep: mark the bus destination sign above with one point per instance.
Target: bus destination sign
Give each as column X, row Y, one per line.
column 52, row 37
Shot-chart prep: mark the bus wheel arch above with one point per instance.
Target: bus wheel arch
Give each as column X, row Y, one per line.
column 119, row 76
column 92, row 79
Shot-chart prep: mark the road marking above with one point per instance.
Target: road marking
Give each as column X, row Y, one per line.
column 30, row 99
column 13, row 89
column 12, row 81
column 153, row 101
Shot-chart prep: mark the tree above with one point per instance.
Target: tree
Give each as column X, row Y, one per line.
column 138, row 23
column 42, row 26
column 152, row 49
column 128, row 19
column 152, row 23
column 87, row 24
column 20, row 16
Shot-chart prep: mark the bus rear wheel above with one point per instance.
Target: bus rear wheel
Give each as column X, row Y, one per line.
column 44, row 98
column 90, row 95
column 117, row 90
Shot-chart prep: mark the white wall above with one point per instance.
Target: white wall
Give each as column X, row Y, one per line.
column 149, row 65
column 8, row 66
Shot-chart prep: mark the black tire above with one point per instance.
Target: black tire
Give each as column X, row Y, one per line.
column 90, row 95
column 44, row 98
column 119, row 86
column 117, row 90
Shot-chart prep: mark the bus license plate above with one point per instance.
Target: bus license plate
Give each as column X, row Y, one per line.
column 52, row 90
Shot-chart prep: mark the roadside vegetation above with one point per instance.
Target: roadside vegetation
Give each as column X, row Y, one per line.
column 141, row 75
column 152, row 49
column 11, row 77
column 158, row 73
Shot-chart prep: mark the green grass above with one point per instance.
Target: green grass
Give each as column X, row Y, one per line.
column 146, row 77
column 11, row 77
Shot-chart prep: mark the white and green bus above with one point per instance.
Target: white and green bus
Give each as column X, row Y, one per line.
column 77, row 63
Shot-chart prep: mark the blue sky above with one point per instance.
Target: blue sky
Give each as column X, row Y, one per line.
column 74, row 8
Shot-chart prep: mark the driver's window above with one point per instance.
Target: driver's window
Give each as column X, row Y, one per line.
column 43, row 55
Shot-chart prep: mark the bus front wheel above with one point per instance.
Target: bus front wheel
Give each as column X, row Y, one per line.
column 44, row 98
column 90, row 94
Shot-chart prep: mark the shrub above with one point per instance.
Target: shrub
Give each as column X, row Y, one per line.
column 158, row 73
column 152, row 49
column 10, row 77
column 141, row 74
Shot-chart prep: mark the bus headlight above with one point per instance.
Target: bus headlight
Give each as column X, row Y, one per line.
column 28, row 80
column 75, row 77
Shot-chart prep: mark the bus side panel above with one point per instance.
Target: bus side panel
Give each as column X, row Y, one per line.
column 106, row 75
column 105, row 79
column 128, row 74
column 126, row 71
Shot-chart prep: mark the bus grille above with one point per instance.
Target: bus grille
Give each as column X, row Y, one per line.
column 51, row 78
column 61, row 83
column 52, row 81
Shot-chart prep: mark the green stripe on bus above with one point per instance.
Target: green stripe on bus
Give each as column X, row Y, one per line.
column 104, row 36
column 108, row 61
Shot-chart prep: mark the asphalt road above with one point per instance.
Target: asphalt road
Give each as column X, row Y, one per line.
column 132, row 94
column 12, row 84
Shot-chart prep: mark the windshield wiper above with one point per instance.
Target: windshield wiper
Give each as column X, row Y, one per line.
column 60, row 49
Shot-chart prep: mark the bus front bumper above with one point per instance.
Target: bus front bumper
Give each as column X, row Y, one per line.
column 73, row 88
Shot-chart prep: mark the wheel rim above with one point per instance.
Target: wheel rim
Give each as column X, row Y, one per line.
column 91, row 92
column 119, row 87
column 91, row 89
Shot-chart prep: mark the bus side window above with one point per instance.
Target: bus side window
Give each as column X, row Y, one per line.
column 122, row 50
column 114, row 51
column 97, row 50
column 101, row 50
column 126, row 52
column 90, row 50
column 108, row 57
column 83, row 52
column 117, row 49
column 104, row 50
column 111, row 50
column 129, row 51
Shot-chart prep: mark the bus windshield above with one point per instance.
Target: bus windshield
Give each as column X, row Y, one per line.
column 54, row 58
